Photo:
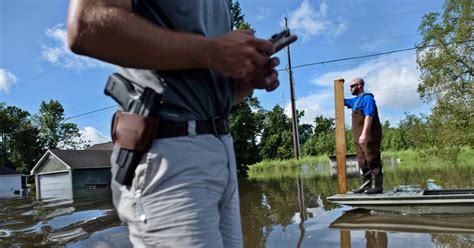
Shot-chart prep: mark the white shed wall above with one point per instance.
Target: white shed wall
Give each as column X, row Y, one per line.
column 8, row 184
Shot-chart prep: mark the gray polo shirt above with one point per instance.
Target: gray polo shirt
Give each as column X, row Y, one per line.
column 190, row 94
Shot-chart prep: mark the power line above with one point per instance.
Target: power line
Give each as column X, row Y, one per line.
column 349, row 64
column 21, row 130
column 370, row 18
column 350, row 58
column 36, row 76
column 35, row 67
column 361, row 41
column 91, row 112
column 82, row 104
column 367, row 56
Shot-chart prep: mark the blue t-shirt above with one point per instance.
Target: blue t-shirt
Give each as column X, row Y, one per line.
column 364, row 102
column 194, row 94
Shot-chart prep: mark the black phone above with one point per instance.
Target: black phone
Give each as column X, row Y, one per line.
column 281, row 39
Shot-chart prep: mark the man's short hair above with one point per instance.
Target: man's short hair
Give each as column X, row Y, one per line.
column 359, row 81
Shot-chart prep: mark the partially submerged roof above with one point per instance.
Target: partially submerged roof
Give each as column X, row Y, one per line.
column 77, row 159
column 102, row 146
column 81, row 159
column 7, row 171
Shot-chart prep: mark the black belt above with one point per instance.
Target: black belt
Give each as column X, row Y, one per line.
column 217, row 126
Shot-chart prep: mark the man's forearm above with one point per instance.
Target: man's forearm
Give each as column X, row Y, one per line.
column 367, row 123
column 96, row 29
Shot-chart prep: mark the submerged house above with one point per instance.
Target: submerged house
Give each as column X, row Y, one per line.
column 59, row 172
column 352, row 166
column 11, row 182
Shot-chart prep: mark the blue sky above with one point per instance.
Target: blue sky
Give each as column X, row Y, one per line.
column 36, row 65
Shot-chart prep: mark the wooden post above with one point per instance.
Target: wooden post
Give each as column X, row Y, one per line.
column 340, row 136
column 345, row 239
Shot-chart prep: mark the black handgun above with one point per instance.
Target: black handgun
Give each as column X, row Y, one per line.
column 133, row 101
column 281, row 40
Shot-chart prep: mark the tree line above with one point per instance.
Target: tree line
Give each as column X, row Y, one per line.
column 25, row 137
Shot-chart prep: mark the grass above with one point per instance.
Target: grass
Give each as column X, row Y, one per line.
column 273, row 166
column 288, row 163
column 408, row 158
column 465, row 157
column 403, row 155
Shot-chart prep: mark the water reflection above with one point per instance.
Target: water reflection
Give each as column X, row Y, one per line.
column 278, row 210
column 359, row 219
column 293, row 211
column 445, row 230
column 27, row 222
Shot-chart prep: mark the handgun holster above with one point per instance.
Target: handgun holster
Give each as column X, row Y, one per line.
column 133, row 132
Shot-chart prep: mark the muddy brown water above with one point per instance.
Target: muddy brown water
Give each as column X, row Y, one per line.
column 285, row 209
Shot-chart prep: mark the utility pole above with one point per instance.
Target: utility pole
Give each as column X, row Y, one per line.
column 294, row 118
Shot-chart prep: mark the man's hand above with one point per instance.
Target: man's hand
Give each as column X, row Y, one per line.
column 238, row 53
column 265, row 77
column 363, row 138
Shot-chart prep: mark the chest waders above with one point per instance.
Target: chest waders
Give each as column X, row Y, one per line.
column 368, row 154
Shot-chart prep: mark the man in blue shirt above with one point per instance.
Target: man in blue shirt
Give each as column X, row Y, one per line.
column 367, row 137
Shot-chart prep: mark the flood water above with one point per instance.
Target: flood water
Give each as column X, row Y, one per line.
column 281, row 209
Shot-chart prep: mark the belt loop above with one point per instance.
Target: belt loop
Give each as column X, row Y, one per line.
column 192, row 128
column 214, row 125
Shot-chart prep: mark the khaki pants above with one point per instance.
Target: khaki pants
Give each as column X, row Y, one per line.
column 184, row 194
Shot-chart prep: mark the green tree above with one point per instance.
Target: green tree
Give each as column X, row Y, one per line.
column 391, row 140
column 305, row 132
column 54, row 132
column 445, row 60
column 20, row 143
column 324, row 139
column 246, row 121
column 323, row 124
column 414, row 133
column 238, row 19
column 277, row 139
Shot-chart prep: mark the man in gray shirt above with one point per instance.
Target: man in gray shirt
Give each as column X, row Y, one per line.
column 184, row 193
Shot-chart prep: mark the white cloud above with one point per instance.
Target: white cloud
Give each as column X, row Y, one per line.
column 93, row 136
column 339, row 28
column 313, row 105
column 262, row 14
column 58, row 52
column 7, row 79
column 393, row 80
column 308, row 22
column 89, row 136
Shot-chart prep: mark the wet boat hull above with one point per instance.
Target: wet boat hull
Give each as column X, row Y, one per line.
column 360, row 219
column 421, row 202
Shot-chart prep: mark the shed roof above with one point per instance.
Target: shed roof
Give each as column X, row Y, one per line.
column 84, row 159
column 7, row 171
column 102, row 146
